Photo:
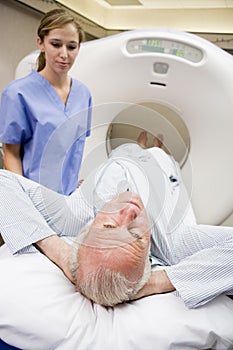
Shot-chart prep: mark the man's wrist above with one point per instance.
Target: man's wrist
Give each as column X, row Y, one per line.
column 161, row 282
column 158, row 283
column 58, row 251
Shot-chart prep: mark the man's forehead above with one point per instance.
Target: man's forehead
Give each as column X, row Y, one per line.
column 116, row 259
column 108, row 238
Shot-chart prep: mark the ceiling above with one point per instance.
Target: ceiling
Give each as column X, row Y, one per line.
column 166, row 4
column 208, row 16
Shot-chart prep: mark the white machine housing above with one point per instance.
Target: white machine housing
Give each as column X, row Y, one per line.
column 168, row 82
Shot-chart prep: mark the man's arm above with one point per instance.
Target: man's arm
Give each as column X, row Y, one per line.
column 158, row 283
column 58, row 251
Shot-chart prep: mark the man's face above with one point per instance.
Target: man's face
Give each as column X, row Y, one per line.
column 124, row 211
column 120, row 231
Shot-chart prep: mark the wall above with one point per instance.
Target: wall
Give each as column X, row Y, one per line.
column 18, row 27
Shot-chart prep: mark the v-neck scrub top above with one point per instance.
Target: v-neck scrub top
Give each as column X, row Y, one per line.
column 52, row 134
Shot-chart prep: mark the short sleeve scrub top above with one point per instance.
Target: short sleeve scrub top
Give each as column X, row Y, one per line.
column 52, row 134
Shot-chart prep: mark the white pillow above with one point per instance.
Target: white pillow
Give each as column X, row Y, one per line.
column 39, row 309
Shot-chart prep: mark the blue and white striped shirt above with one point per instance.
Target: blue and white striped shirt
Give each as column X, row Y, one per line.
column 197, row 258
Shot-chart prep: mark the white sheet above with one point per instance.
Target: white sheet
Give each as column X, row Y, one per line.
column 39, row 309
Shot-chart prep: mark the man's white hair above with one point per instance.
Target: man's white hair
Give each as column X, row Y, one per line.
column 105, row 286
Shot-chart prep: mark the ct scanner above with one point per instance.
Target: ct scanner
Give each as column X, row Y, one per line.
column 168, row 82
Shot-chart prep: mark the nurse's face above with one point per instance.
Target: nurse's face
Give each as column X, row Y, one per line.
column 61, row 47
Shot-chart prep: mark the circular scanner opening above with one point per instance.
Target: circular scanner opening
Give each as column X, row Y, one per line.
column 154, row 119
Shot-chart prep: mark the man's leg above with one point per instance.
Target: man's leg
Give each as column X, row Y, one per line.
column 158, row 141
column 142, row 140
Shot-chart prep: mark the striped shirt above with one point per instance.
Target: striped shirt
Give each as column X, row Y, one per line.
column 197, row 258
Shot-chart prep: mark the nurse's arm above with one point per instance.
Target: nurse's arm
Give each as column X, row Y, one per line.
column 12, row 158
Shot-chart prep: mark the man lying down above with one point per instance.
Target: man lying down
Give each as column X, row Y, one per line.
column 129, row 216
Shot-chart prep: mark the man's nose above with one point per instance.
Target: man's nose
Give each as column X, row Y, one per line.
column 128, row 214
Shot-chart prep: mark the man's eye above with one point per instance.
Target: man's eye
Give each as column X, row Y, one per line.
column 135, row 233
column 109, row 226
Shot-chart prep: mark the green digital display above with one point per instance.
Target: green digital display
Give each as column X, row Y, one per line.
column 178, row 52
column 152, row 45
column 165, row 46
column 153, row 42
column 152, row 48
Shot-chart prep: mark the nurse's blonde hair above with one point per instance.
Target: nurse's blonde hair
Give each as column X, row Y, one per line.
column 56, row 18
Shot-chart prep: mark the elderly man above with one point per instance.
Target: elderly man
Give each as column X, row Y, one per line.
column 132, row 210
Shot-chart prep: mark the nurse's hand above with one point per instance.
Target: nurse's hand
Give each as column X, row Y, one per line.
column 80, row 182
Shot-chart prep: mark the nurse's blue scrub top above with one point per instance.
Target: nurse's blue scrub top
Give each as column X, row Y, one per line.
column 52, row 134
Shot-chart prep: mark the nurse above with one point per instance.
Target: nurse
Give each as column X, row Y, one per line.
column 45, row 117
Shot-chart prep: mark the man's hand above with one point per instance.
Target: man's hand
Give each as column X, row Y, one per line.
column 158, row 283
